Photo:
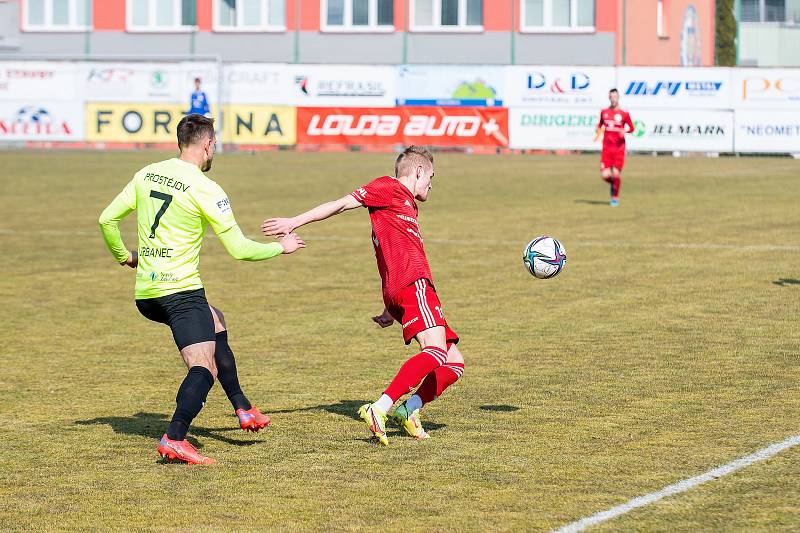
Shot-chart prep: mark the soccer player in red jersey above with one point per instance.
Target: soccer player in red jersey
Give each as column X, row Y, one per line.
column 615, row 123
column 408, row 291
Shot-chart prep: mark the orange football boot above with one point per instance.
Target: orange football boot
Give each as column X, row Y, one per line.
column 182, row 450
column 252, row 419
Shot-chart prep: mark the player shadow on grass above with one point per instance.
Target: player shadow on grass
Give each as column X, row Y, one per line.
column 349, row 409
column 592, row 202
column 499, row 408
column 786, row 281
column 153, row 426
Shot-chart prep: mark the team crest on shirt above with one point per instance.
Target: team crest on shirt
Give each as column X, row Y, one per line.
column 224, row 206
column 618, row 117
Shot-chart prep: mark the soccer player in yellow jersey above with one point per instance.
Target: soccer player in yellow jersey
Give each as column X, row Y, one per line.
column 174, row 203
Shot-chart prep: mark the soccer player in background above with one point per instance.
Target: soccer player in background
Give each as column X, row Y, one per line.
column 175, row 202
column 198, row 104
column 612, row 125
column 408, row 292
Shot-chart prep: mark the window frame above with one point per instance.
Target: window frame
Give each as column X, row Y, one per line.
column 348, row 27
column 437, row 26
column 264, row 27
column 547, row 14
column 151, row 28
column 49, row 27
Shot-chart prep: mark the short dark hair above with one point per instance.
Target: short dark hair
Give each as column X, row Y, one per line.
column 614, row 90
column 413, row 155
column 197, row 80
column 194, row 128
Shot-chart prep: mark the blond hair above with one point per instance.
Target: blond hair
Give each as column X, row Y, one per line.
column 410, row 158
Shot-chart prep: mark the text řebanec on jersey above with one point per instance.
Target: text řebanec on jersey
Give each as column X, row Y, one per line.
column 174, row 203
column 395, row 234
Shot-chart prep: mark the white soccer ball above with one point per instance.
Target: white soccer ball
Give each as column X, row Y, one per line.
column 544, row 257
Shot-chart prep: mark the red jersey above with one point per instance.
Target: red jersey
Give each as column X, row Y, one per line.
column 615, row 121
column 395, row 234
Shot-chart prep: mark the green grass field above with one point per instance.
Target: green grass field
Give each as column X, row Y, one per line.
column 668, row 346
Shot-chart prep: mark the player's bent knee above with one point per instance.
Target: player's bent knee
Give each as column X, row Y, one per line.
column 454, row 354
column 219, row 319
column 201, row 354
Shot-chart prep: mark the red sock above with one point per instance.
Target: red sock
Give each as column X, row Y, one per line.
column 437, row 381
column 615, row 186
column 413, row 370
column 608, row 179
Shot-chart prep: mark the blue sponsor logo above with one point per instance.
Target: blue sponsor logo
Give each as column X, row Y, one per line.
column 673, row 88
column 574, row 83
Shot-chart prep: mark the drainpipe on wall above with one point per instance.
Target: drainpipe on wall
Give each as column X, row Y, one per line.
column 296, row 58
column 624, row 32
column 513, row 35
column 87, row 36
column 406, row 25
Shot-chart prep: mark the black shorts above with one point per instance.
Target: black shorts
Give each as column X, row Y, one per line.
column 186, row 313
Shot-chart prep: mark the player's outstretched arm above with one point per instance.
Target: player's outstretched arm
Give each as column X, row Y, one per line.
column 244, row 249
column 284, row 226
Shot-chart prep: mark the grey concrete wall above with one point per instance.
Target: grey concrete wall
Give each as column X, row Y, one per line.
column 371, row 48
column 264, row 47
column 569, row 49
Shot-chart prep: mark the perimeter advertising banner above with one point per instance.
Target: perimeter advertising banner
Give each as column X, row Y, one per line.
column 674, row 88
column 32, row 80
column 450, row 85
column 259, row 124
column 432, row 126
column 765, row 88
column 147, row 82
column 259, row 83
column 554, row 128
column 549, row 86
column 41, row 120
column 682, row 131
column 768, row 131
column 133, row 123
column 341, row 85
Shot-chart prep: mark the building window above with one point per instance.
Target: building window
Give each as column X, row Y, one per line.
column 661, row 19
column 557, row 15
column 447, row 15
column 249, row 15
column 358, row 15
column 161, row 15
column 763, row 10
column 57, row 15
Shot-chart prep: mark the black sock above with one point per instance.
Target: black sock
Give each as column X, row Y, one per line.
column 226, row 373
column 191, row 397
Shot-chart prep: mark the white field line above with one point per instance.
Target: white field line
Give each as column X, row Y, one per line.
column 681, row 486
column 459, row 242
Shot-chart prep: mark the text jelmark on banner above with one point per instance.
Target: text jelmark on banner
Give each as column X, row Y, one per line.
column 684, row 130
column 433, row 126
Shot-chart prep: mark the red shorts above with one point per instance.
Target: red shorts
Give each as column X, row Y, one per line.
column 417, row 308
column 612, row 158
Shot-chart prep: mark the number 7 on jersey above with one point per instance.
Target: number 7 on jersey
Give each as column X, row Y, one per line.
column 166, row 198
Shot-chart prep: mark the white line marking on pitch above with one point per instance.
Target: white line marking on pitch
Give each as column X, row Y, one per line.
column 458, row 242
column 681, row 486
